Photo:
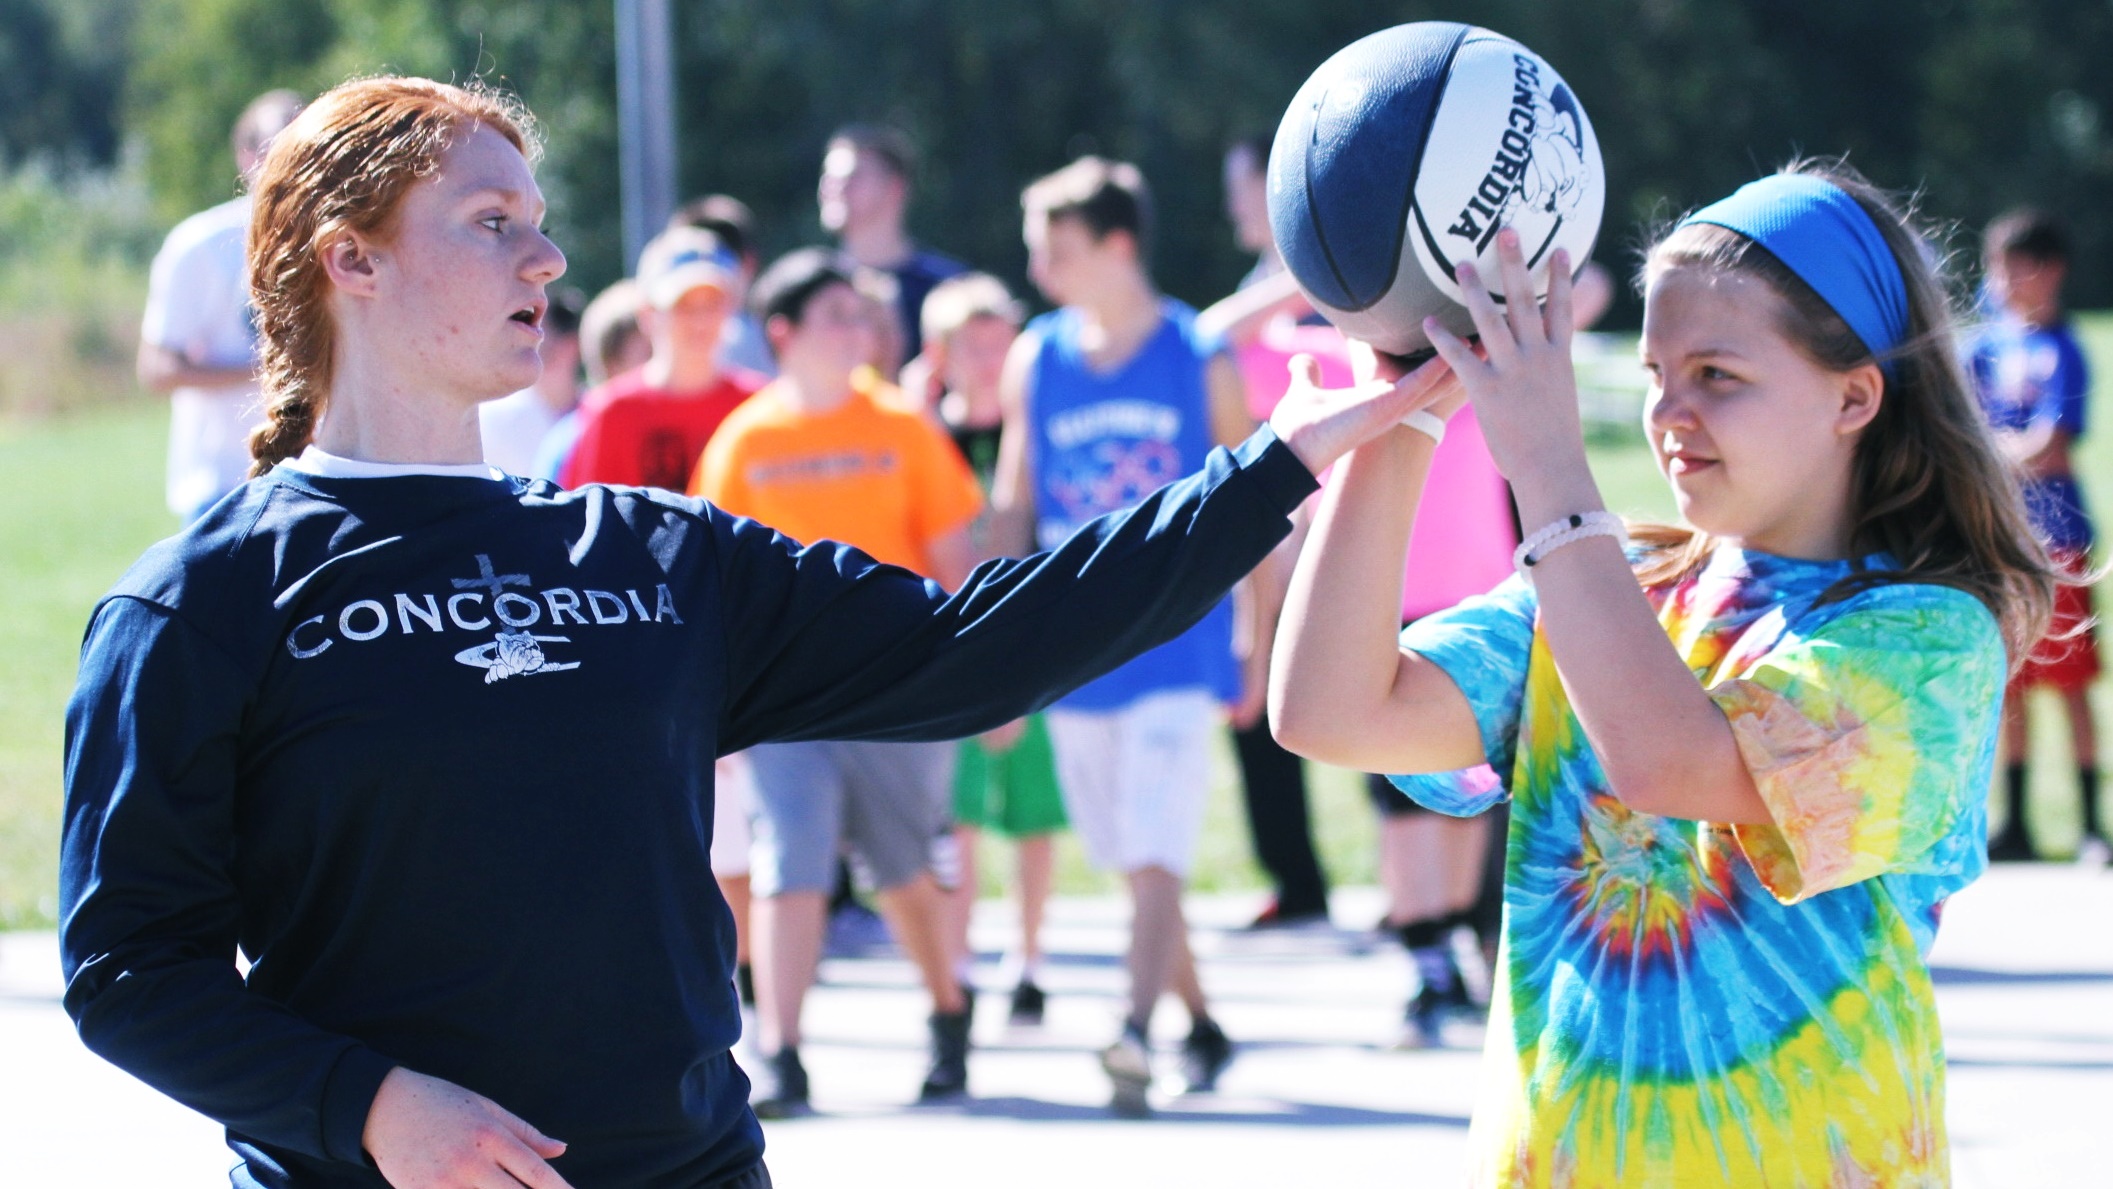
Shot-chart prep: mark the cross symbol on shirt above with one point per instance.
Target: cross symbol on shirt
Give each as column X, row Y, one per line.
column 495, row 583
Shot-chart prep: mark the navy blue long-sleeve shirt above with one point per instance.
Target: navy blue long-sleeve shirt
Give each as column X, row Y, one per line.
column 436, row 754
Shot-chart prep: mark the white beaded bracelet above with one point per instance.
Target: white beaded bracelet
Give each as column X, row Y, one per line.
column 1575, row 527
column 1427, row 423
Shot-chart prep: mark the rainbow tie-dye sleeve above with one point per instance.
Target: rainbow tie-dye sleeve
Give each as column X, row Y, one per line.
column 1483, row 644
column 1866, row 738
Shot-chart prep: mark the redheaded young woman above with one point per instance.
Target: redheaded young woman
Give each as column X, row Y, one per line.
column 431, row 746
column 1748, row 759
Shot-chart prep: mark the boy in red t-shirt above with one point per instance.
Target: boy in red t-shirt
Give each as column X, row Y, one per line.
column 648, row 427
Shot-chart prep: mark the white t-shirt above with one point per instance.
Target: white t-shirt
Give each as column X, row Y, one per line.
column 198, row 307
column 513, row 429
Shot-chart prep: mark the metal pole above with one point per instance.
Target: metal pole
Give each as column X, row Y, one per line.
column 645, row 118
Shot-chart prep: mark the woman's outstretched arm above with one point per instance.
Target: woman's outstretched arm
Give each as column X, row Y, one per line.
column 825, row 644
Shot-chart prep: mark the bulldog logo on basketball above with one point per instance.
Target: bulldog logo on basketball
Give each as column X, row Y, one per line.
column 1538, row 170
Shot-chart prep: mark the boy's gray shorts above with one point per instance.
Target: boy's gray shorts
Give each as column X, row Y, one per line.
column 890, row 804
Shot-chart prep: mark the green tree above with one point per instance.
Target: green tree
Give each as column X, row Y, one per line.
column 207, row 58
column 57, row 80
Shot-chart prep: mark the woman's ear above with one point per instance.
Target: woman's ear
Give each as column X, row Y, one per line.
column 351, row 263
column 1863, row 390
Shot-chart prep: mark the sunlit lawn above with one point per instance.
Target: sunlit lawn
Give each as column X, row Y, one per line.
column 80, row 497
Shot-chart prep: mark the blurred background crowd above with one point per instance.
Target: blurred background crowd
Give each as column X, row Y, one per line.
column 900, row 137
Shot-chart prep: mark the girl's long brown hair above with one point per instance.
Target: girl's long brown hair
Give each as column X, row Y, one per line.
column 1930, row 488
column 342, row 165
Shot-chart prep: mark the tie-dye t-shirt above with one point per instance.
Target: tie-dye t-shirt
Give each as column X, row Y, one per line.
column 1682, row 1003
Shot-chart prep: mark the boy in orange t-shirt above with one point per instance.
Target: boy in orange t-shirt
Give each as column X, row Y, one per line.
column 869, row 472
column 828, row 452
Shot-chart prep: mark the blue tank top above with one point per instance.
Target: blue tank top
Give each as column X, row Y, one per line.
column 1104, row 441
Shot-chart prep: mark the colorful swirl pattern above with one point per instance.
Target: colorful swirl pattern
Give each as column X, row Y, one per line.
column 1679, row 1003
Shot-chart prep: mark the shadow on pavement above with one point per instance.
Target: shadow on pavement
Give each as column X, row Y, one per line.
column 1276, row 1114
column 1957, row 976
column 1025, row 1043
column 2028, row 1063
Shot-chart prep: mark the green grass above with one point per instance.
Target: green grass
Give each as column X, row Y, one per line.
column 80, row 497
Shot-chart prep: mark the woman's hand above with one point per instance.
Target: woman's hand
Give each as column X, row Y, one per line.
column 424, row 1133
column 1522, row 382
column 1320, row 425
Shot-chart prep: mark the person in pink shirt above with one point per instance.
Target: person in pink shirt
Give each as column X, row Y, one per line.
column 1431, row 865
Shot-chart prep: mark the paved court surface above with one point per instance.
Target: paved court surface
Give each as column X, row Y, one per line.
column 2024, row 969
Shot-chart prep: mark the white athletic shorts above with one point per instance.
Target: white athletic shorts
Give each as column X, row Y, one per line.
column 1136, row 780
column 733, row 800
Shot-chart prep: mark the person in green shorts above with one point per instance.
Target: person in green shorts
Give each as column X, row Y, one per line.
column 1005, row 779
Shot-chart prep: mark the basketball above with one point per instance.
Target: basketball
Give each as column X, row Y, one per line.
column 1407, row 151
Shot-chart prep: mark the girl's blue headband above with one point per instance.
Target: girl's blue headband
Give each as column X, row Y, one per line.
column 1827, row 238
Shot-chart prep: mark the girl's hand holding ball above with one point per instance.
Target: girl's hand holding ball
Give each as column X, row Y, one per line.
column 1522, row 382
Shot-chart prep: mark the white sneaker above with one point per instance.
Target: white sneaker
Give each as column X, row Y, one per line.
column 1128, row 1064
column 2094, row 853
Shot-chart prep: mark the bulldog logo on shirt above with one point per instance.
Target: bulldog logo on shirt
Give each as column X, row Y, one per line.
column 513, row 654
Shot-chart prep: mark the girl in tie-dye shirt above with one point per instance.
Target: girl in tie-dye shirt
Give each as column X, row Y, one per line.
column 1747, row 757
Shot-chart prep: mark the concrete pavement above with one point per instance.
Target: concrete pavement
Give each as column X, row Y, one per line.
column 2024, row 970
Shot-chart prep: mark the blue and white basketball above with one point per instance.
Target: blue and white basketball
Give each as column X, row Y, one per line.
column 1406, row 152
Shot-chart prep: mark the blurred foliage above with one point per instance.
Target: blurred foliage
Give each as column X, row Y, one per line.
column 207, row 58
column 60, row 68
column 74, row 247
column 1978, row 104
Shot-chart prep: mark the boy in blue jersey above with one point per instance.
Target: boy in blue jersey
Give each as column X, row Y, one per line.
column 1119, row 394
column 2033, row 382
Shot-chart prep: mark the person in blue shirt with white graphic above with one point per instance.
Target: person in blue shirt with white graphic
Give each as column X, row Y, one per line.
column 2034, row 384
column 430, row 747
column 1120, row 394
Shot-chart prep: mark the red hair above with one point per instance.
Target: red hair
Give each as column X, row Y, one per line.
column 342, row 165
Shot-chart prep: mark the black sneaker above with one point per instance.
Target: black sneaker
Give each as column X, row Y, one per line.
column 1204, row 1055
column 1423, row 1024
column 2013, row 845
column 1460, row 1002
column 948, row 1078
column 1027, row 1004
column 778, row 1087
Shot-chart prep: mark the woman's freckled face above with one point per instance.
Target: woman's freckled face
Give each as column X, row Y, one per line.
column 463, row 268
